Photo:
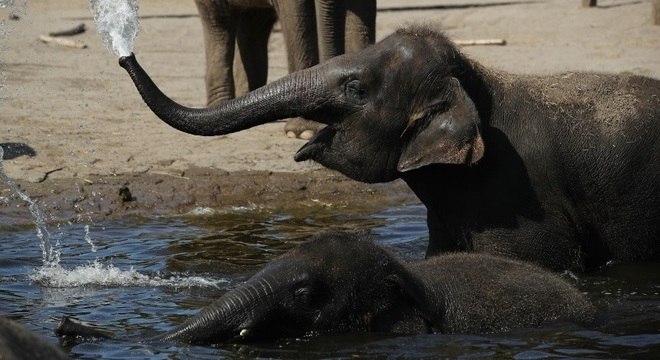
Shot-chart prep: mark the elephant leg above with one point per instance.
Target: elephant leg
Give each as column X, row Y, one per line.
column 331, row 25
column 299, row 30
column 219, row 28
column 251, row 60
column 331, row 16
column 298, row 22
column 360, row 27
column 345, row 26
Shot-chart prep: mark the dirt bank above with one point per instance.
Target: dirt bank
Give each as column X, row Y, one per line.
column 79, row 131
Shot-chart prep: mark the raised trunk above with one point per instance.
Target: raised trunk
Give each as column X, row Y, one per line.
column 299, row 94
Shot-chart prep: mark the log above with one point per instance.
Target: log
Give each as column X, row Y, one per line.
column 62, row 41
column 69, row 32
column 480, row 42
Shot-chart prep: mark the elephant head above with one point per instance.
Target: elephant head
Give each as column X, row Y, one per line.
column 319, row 287
column 403, row 103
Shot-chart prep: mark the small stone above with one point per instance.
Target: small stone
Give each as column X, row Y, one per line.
column 125, row 194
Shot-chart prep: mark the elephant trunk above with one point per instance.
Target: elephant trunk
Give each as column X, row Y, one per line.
column 229, row 317
column 291, row 96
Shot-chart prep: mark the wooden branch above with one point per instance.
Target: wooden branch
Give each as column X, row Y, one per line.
column 62, row 41
column 69, row 32
column 480, row 42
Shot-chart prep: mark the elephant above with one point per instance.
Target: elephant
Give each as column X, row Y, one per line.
column 560, row 170
column 341, row 25
column 342, row 282
column 16, row 342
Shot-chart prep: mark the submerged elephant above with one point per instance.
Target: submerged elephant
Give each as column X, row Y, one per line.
column 313, row 30
column 343, row 282
column 560, row 170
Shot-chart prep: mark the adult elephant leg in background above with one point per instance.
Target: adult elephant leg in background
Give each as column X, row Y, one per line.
column 227, row 27
column 298, row 22
column 343, row 27
column 253, row 31
column 299, row 28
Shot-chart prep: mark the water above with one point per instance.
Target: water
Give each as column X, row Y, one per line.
column 148, row 274
column 117, row 23
column 140, row 276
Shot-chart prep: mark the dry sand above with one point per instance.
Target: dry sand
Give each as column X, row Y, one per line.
column 85, row 133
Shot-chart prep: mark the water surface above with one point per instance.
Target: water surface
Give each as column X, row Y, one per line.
column 145, row 275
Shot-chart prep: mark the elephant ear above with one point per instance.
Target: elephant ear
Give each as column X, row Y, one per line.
column 444, row 129
column 414, row 292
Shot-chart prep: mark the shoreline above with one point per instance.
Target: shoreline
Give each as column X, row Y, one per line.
column 78, row 126
column 201, row 191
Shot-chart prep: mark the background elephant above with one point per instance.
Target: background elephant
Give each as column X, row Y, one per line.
column 313, row 31
column 560, row 170
column 343, row 282
column 16, row 342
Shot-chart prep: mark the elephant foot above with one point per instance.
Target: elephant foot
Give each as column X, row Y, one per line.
column 301, row 128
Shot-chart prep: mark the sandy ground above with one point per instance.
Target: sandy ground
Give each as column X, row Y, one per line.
column 80, row 132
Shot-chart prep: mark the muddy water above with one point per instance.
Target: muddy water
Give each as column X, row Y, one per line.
column 147, row 274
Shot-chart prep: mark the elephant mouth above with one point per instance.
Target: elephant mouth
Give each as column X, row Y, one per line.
column 313, row 149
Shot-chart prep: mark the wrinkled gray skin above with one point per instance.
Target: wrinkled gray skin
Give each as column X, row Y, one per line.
column 313, row 30
column 341, row 282
column 16, row 342
column 560, row 170
column 345, row 283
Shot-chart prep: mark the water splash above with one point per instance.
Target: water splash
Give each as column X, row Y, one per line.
column 50, row 256
column 117, row 23
column 88, row 238
column 110, row 276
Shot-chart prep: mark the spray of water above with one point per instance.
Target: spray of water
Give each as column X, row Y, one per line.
column 88, row 238
column 50, row 256
column 117, row 23
column 109, row 276
column 51, row 274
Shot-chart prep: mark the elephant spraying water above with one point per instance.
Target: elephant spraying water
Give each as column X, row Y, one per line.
column 559, row 170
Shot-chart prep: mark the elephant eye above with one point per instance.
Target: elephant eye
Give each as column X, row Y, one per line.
column 354, row 91
column 302, row 294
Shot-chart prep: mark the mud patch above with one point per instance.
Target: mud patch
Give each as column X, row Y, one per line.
column 196, row 191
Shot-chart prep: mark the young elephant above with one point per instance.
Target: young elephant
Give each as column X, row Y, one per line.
column 559, row 170
column 341, row 282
